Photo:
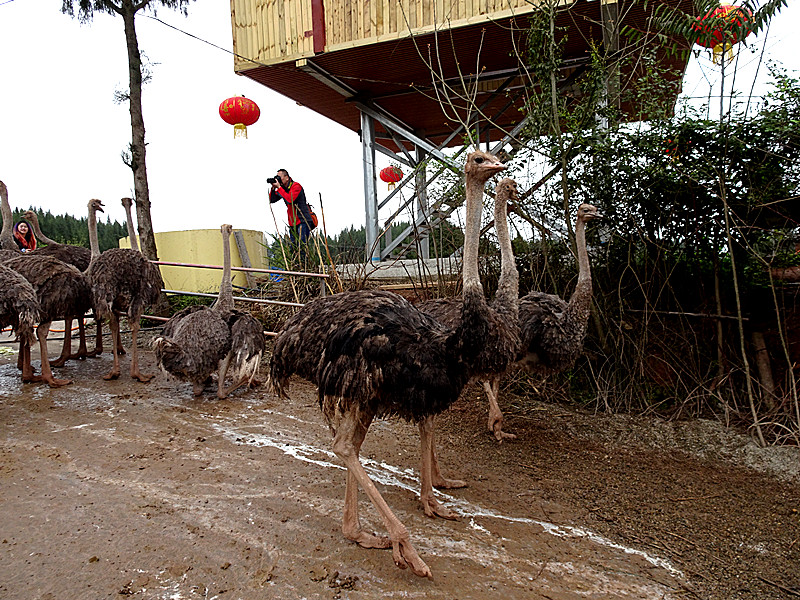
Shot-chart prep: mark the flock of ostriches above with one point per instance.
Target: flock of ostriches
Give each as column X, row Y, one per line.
column 371, row 353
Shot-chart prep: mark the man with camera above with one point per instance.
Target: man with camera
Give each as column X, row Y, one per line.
column 292, row 193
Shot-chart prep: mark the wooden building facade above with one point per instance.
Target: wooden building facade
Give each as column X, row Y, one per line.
column 412, row 76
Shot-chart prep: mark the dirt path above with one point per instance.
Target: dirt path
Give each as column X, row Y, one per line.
column 121, row 489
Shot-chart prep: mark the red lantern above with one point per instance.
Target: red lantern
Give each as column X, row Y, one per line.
column 391, row 175
column 239, row 112
column 722, row 27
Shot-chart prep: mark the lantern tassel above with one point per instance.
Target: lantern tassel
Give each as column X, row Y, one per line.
column 239, row 131
column 719, row 49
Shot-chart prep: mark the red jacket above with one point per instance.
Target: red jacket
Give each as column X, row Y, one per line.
column 295, row 199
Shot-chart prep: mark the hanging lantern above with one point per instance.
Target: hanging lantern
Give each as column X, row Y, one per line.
column 391, row 175
column 723, row 27
column 239, row 112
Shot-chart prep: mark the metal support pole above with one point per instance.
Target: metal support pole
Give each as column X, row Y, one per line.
column 422, row 203
column 373, row 250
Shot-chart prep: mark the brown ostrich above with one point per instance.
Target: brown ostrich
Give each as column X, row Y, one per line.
column 373, row 354
column 78, row 257
column 63, row 292
column 200, row 340
column 123, row 282
column 503, row 343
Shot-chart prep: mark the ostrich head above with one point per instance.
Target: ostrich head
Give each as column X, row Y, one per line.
column 29, row 216
column 587, row 212
column 507, row 188
column 481, row 166
column 95, row 204
column 226, row 229
column 127, row 202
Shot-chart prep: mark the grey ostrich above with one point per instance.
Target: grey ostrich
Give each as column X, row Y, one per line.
column 63, row 292
column 503, row 343
column 553, row 330
column 200, row 340
column 78, row 257
column 373, row 354
column 123, row 282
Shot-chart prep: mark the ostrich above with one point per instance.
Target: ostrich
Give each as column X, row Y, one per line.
column 372, row 353
column 503, row 343
column 123, row 281
column 63, row 292
column 79, row 257
column 553, row 330
column 8, row 247
column 200, row 340
column 19, row 307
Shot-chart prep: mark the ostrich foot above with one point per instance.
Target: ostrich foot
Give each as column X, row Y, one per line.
column 433, row 508
column 440, row 483
column 60, row 361
column 369, row 540
column 51, row 381
column 112, row 374
column 495, row 425
column 139, row 376
column 405, row 557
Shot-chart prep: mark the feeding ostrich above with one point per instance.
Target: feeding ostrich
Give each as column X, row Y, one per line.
column 123, row 282
column 503, row 343
column 200, row 340
column 78, row 257
column 372, row 353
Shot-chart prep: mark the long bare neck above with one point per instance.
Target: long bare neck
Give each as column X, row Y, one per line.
column 6, row 237
column 508, row 284
column 131, row 228
column 581, row 300
column 34, row 219
column 225, row 299
column 94, row 246
column 472, row 232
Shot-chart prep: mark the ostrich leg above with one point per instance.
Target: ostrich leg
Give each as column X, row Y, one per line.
column 113, row 324
column 135, row 372
column 495, row 423
column 47, row 374
column 346, row 434
column 429, row 479
column 351, row 526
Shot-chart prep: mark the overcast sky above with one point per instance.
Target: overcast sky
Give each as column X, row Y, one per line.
column 61, row 134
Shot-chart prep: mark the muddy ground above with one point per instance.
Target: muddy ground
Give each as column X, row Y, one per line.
column 128, row 490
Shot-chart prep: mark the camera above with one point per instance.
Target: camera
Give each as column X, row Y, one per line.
column 272, row 180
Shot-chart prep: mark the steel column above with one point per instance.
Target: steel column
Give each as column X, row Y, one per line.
column 373, row 250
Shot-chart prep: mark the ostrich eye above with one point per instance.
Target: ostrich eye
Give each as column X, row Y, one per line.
column 479, row 160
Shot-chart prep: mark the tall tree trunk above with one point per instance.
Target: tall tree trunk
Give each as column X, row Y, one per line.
column 138, row 149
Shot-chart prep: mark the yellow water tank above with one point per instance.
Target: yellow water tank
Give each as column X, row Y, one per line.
column 203, row 247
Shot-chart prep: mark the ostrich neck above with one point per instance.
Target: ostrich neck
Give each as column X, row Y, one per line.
column 472, row 232
column 508, row 285
column 6, row 237
column 581, row 299
column 225, row 299
column 131, row 229
column 34, row 219
column 93, row 244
